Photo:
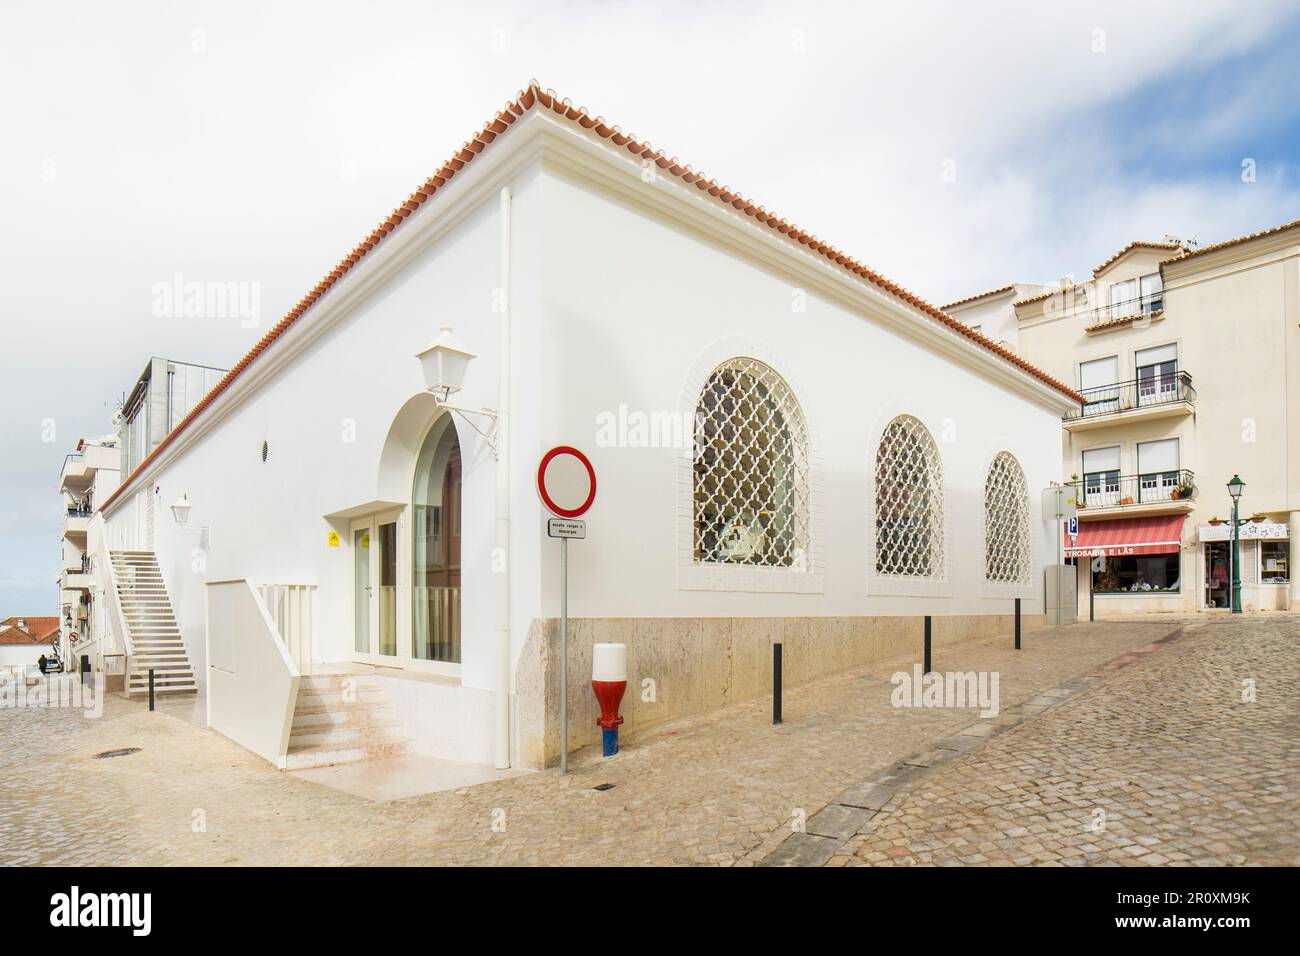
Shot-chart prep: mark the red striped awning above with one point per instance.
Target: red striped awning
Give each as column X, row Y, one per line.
column 1158, row 534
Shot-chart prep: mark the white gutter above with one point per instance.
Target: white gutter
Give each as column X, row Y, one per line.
column 503, row 502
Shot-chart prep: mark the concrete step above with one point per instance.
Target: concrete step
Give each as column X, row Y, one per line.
column 321, row 682
column 329, row 755
column 356, row 715
column 347, row 738
column 329, row 699
column 164, row 682
column 167, row 691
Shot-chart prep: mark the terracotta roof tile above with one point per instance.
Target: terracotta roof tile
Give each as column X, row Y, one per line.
column 982, row 295
column 38, row 630
column 1193, row 253
column 1077, row 287
column 1136, row 244
column 533, row 97
column 1125, row 320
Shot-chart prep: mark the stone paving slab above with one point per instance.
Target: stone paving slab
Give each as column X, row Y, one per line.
column 839, row 821
column 1166, row 762
column 721, row 789
column 803, row 849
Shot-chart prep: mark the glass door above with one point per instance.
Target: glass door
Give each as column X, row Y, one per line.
column 386, row 588
column 374, row 589
column 361, row 590
column 1217, row 571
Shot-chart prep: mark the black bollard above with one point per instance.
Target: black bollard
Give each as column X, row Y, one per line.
column 776, row 683
column 151, row 688
column 1017, row 623
column 927, row 644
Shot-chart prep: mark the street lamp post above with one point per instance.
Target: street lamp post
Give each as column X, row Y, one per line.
column 1235, row 487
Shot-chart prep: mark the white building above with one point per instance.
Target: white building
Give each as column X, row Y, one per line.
column 89, row 475
column 849, row 437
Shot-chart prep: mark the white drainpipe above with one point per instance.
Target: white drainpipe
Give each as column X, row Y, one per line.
column 503, row 501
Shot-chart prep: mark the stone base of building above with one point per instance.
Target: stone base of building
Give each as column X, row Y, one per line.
column 678, row 667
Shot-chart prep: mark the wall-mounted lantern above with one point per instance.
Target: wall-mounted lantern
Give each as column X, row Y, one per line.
column 444, row 364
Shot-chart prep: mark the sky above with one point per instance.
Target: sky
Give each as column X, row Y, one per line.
column 954, row 147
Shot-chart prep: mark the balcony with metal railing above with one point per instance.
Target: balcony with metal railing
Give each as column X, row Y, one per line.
column 1159, row 395
column 1107, row 494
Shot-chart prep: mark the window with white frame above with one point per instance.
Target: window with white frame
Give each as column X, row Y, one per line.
column 909, row 502
column 1153, row 293
column 1157, row 374
column 1101, row 477
column 1006, row 522
column 1123, row 299
column 751, row 484
column 1134, row 297
column 1273, row 560
column 1158, row 469
column 1099, row 383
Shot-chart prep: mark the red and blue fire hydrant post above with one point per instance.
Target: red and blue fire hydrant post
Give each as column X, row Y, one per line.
column 609, row 682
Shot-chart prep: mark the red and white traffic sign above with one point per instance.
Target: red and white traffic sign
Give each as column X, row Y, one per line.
column 566, row 482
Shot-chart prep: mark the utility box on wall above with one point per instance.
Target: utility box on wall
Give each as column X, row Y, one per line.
column 1062, row 593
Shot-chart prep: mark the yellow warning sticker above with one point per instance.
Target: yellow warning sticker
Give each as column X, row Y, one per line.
column 333, row 539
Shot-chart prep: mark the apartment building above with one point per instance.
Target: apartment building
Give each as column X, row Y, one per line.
column 1188, row 360
column 89, row 475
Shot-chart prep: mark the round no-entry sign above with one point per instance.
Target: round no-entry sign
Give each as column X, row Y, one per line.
column 566, row 481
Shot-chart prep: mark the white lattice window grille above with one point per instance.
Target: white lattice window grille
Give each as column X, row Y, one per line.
column 750, row 484
column 1006, row 522
column 909, row 502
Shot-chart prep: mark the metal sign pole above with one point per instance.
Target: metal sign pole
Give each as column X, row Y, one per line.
column 564, row 655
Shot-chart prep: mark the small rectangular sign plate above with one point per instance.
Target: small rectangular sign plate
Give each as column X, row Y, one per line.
column 566, row 528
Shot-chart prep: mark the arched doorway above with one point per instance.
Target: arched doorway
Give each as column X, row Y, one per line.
column 435, row 538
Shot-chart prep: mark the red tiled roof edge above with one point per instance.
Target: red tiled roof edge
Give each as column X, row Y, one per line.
column 1136, row 244
column 1048, row 294
column 1215, row 247
column 528, row 99
column 974, row 298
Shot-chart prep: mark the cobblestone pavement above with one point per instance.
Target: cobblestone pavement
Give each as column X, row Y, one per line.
column 1151, row 741
column 1155, row 758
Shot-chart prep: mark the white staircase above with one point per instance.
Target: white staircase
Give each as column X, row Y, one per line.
column 155, row 638
column 342, row 718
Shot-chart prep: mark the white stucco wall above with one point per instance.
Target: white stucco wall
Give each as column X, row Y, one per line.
column 632, row 301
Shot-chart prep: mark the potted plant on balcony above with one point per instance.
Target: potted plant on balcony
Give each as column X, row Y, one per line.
column 1185, row 489
column 1126, row 501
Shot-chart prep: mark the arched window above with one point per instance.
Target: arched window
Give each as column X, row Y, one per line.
column 909, row 502
column 435, row 535
column 1006, row 522
column 750, row 486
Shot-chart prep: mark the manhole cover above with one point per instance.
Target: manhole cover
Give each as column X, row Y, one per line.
column 603, row 786
column 117, row 753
